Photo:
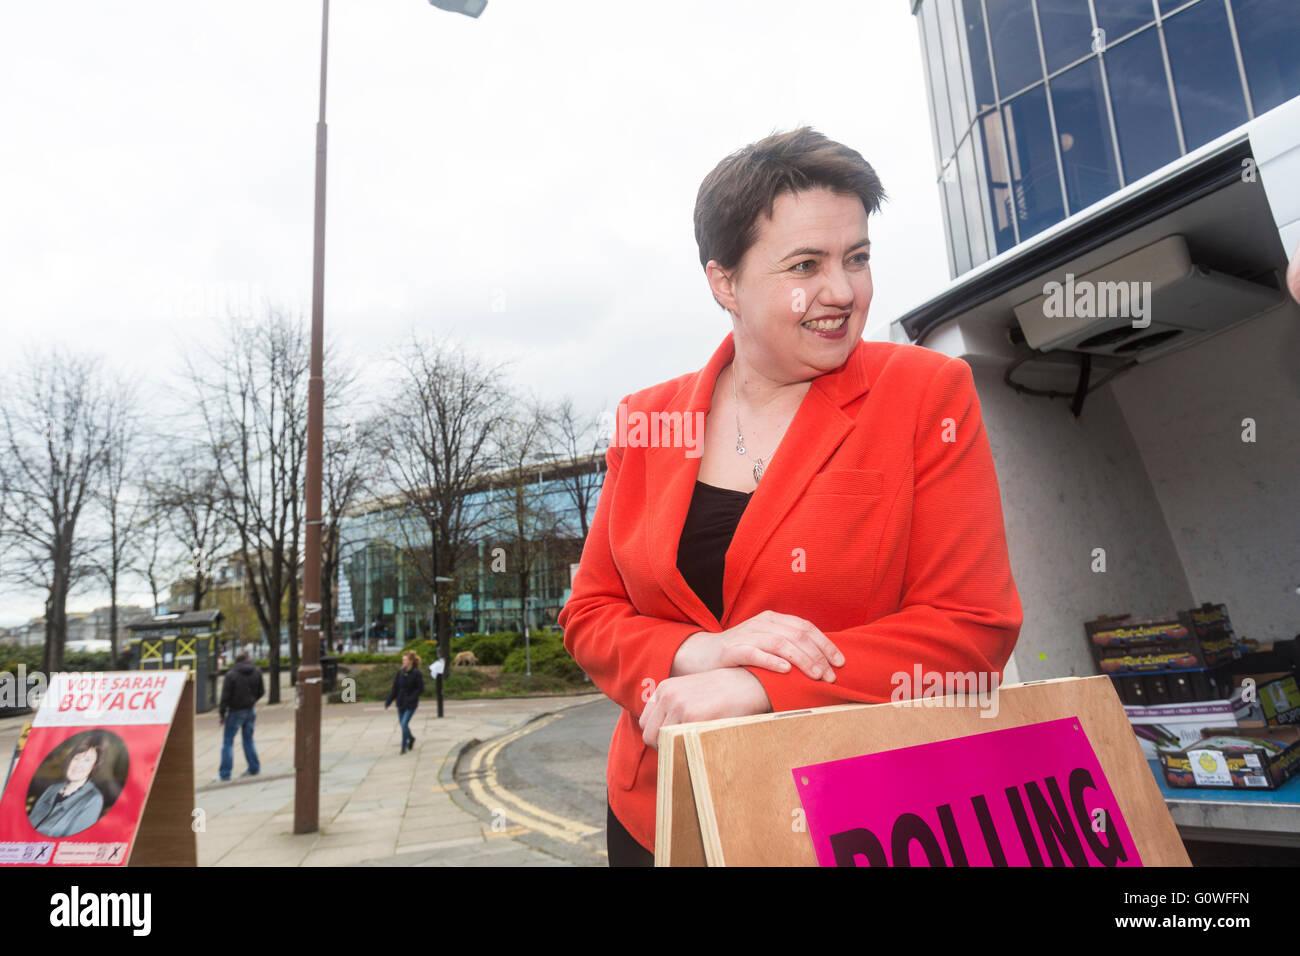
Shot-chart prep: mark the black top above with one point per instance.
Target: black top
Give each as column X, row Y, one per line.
column 701, row 552
column 242, row 687
column 408, row 685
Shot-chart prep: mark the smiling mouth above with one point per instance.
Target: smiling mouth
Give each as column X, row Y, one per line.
column 825, row 325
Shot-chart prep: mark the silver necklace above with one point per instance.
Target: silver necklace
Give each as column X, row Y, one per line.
column 759, row 465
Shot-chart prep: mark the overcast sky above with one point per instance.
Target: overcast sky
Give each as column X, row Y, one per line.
column 156, row 169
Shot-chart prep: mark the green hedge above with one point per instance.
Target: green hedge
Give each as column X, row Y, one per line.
column 364, row 658
column 488, row 649
column 549, row 658
column 491, row 649
column 518, row 684
column 375, row 683
column 31, row 656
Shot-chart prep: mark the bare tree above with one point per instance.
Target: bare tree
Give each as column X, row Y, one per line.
column 149, row 561
column 55, row 444
column 119, row 495
column 435, row 443
column 187, row 497
column 578, row 439
column 348, row 453
column 524, row 522
column 252, row 401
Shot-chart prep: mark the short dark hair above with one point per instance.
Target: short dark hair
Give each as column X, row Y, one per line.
column 745, row 185
column 241, row 656
column 96, row 740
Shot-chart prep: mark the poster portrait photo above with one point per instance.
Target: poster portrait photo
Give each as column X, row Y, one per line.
column 77, row 782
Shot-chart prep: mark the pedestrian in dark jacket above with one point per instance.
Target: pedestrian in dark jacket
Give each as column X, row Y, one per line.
column 408, row 685
column 240, row 691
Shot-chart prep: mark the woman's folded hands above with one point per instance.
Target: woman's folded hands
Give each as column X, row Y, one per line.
column 769, row 640
column 708, row 678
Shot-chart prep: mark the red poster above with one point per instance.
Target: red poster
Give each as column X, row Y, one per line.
column 82, row 780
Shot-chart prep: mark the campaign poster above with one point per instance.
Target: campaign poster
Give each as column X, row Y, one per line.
column 79, row 788
column 1025, row 796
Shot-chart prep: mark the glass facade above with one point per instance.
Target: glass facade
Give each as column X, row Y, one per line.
column 1044, row 107
column 384, row 556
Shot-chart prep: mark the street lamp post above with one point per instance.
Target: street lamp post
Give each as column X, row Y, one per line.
column 438, row 582
column 306, row 751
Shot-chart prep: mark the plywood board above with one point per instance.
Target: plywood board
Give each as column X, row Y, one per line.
column 745, row 799
column 166, row 836
column 677, row 829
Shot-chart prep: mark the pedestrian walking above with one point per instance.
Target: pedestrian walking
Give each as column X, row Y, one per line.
column 241, row 689
column 408, row 685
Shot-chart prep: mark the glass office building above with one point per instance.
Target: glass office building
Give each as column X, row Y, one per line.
column 1041, row 108
column 384, row 558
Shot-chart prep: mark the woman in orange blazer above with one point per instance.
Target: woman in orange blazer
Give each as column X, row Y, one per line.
column 838, row 522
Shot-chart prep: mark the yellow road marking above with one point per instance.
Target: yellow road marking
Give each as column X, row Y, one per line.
column 485, row 788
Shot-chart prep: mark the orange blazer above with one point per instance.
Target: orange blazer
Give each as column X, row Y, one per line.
column 878, row 520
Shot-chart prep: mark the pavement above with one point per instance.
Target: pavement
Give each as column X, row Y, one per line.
column 378, row 807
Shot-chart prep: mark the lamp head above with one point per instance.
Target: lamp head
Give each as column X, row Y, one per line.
column 471, row 8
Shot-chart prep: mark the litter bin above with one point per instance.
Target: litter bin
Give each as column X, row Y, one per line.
column 329, row 674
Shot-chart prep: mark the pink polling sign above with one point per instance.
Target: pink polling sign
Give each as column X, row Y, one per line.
column 1026, row 796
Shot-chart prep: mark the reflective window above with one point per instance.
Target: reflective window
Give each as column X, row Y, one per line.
column 971, row 197
column 978, row 50
column 953, row 62
column 1269, row 33
column 1087, row 152
column 1139, row 98
column 947, row 231
column 1067, row 31
column 1015, row 44
column 1121, row 17
column 951, row 190
column 1036, row 187
column 998, row 178
column 1204, row 65
column 938, row 81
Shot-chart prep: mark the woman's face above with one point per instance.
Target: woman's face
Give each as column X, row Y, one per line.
column 80, row 766
column 811, row 262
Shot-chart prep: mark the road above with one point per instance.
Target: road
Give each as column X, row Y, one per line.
column 544, row 784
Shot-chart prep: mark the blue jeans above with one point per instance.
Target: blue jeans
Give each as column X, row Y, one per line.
column 238, row 720
column 404, row 718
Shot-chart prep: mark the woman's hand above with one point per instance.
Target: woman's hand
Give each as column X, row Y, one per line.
column 726, row 692
column 769, row 640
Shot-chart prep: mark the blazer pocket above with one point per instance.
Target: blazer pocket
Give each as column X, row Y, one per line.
column 847, row 481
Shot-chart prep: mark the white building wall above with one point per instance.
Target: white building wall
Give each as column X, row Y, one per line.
column 1156, row 473
column 1232, row 507
column 1068, row 487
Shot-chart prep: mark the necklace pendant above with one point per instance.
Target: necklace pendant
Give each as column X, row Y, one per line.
column 740, row 445
column 758, row 470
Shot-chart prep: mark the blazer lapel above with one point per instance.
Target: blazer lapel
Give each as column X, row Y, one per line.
column 670, row 483
column 816, row 430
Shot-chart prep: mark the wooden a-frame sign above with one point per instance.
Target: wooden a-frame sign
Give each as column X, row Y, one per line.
column 136, row 807
column 1054, row 775
column 166, row 836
